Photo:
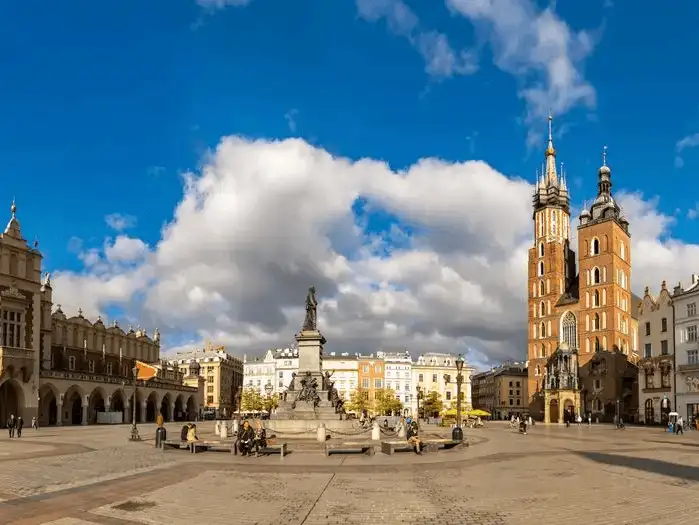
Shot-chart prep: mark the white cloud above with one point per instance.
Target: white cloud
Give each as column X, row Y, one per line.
column 688, row 142
column 120, row 222
column 290, row 117
column 441, row 60
column 539, row 49
column 266, row 219
column 693, row 213
column 222, row 4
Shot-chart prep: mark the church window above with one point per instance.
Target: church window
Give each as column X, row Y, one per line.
column 570, row 333
column 541, row 268
column 537, row 372
column 595, row 322
column 596, row 276
column 594, row 247
column 542, row 288
column 597, row 345
column 542, row 309
column 541, row 249
column 542, row 330
column 622, row 250
column 543, row 350
column 595, row 298
column 587, row 344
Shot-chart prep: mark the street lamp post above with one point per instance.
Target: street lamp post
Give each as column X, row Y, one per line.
column 268, row 390
column 618, row 413
column 134, row 428
column 458, row 434
column 419, row 398
column 239, row 399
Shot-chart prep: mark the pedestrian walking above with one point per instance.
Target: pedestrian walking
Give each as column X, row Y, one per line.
column 11, row 425
column 35, row 423
column 20, row 425
column 680, row 425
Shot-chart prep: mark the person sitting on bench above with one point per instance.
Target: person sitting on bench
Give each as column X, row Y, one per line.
column 260, row 439
column 245, row 439
column 184, row 432
column 192, row 436
column 412, row 435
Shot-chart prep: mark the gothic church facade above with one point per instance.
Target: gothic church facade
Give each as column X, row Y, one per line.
column 586, row 303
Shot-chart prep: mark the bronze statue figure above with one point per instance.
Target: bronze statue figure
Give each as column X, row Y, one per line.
column 311, row 321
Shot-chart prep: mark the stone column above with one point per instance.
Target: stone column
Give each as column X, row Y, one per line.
column 127, row 412
column 86, row 405
column 172, row 413
column 144, row 405
column 59, row 413
column 547, row 409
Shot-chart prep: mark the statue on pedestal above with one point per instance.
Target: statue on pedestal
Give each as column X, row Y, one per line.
column 311, row 321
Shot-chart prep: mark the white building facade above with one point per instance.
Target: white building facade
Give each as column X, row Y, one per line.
column 687, row 349
column 436, row 372
column 344, row 372
column 398, row 369
column 286, row 365
column 258, row 372
column 656, row 368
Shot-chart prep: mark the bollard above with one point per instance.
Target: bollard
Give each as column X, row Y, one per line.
column 224, row 430
column 217, row 428
column 376, row 432
column 320, row 433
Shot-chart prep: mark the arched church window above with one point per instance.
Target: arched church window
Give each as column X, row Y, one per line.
column 542, row 309
column 570, row 331
column 596, row 278
column 597, row 345
column 541, row 268
column 541, row 249
column 595, row 322
column 542, row 330
column 543, row 350
column 595, row 298
column 542, row 288
column 594, row 247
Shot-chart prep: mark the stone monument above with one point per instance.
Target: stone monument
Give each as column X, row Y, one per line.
column 311, row 395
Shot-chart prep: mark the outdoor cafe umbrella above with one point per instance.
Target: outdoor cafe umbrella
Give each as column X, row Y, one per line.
column 479, row 413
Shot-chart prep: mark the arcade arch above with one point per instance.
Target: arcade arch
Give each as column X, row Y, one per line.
column 11, row 399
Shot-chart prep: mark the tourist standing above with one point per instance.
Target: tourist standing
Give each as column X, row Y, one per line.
column 679, row 425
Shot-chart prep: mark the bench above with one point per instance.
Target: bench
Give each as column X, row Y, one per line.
column 173, row 443
column 364, row 447
column 389, row 447
column 196, row 446
column 277, row 448
column 433, row 445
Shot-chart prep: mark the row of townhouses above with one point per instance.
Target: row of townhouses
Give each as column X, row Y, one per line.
column 397, row 371
column 669, row 366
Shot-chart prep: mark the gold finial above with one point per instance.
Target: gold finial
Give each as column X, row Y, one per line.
column 550, row 150
column 13, row 208
column 604, row 156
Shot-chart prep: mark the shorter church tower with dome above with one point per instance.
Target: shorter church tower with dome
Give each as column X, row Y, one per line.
column 580, row 304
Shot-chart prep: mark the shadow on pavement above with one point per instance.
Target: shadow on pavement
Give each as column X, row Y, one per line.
column 655, row 466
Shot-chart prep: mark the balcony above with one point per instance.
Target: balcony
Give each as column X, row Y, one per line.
column 16, row 362
column 693, row 367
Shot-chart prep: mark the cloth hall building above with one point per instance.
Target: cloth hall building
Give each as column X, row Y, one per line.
column 582, row 326
column 69, row 370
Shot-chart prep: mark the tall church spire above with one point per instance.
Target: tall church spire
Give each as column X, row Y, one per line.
column 550, row 171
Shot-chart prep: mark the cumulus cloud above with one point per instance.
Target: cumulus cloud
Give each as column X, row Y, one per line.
column 441, row 59
column 120, row 222
column 539, row 49
column 688, row 142
column 263, row 220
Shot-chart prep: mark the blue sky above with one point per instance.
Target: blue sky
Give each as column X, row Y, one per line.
column 103, row 106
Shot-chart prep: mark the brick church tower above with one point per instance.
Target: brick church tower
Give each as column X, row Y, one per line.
column 551, row 263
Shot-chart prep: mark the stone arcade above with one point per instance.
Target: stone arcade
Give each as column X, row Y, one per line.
column 70, row 370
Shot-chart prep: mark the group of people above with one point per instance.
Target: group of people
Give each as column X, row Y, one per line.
column 250, row 439
column 16, row 424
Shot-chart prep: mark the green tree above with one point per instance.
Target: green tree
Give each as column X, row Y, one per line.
column 269, row 403
column 251, row 400
column 359, row 401
column 432, row 405
column 385, row 403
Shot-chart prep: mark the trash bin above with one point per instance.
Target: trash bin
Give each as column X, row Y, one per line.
column 160, row 436
column 457, row 434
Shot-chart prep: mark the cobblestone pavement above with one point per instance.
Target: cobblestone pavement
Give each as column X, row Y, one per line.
column 578, row 475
